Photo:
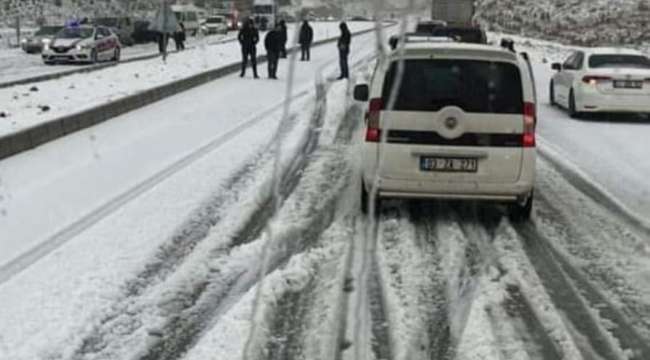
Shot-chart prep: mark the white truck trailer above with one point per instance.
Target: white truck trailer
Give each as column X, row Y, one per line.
column 453, row 12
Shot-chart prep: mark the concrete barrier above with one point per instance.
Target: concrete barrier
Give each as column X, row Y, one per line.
column 32, row 137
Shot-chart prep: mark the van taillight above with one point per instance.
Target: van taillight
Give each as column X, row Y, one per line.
column 373, row 133
column 528, row 137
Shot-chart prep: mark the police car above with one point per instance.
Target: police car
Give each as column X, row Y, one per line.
column 82, row 44
column 450, row 120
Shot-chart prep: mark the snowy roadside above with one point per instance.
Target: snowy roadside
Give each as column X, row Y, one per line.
column 27, row 105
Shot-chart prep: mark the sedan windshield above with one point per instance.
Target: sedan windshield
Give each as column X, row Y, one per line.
column 614, row 60
column 75, row 33
column 48, row 30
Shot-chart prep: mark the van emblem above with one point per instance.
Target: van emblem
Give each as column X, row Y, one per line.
column 451, row 123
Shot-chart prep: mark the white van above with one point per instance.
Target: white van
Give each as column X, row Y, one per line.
column 189, row 15
column 462, row 126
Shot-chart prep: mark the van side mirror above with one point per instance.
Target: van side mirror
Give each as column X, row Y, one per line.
column 361, row 92
column 556, row 66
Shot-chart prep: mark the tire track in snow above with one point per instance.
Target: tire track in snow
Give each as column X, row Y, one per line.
column 172, row 254
column 577, row 299
column 437, row 343
column 289, row 320
column 176, row 340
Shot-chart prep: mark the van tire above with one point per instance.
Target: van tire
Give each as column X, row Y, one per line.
column 521, row 211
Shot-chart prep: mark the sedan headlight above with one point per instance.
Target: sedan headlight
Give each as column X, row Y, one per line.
column 83, row 47
column 23, row 41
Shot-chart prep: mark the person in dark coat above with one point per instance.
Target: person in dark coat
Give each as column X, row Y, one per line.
column 248, row 38
column 283, row 39
column 179, row 37
column 273, row 45
column 344, row 50
column 305, row 39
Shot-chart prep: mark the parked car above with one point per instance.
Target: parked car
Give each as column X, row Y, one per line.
column 462, row 126
column 232, row 21
column 82, row 44
column 142, row 34
column 215, row 25
column 44, row 35
column 123, row 27
column 602, row 80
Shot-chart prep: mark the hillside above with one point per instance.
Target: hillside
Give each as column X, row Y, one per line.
column 593, row 22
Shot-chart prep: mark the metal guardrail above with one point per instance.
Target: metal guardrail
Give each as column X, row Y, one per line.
column 37, row 135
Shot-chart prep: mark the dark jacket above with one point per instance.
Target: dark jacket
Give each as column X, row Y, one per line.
column 283, row 32
column 272, row 42
column 248, row 37
column 344, row 39
column 306, row 36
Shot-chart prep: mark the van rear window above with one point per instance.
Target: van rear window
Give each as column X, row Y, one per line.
column 474, row 86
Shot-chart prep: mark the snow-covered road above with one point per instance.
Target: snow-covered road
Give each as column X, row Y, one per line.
column 154, row 236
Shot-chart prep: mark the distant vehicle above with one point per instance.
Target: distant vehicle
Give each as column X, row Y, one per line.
column 232, row 20
column 35, row 43
column 189, row 15
column 82, row 44
column 264, row 13
column 121, row 26
column 454, row 12
column 359, row 18
column 142, row 34
column 474, row 35
column 215, row 25
column 462, row 126
column 602, row 80
column 428, row 27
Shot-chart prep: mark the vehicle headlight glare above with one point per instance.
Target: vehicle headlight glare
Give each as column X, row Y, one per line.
column 46, row 41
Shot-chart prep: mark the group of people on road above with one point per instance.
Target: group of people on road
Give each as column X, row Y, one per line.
column 275, row 44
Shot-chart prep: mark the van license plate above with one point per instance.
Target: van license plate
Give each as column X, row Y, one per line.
column 448, row 164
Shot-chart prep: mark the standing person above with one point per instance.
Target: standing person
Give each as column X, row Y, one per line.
column 344, row 50
column 162, row 43
column 179, row 37
column 283, row 39
column 305, row 39
column 273, row 45
column 248, row 38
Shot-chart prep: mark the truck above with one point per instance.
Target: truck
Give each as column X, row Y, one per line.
column 453, row 12
column 264, row 13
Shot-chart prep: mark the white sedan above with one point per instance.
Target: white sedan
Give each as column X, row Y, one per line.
column 85, row 44
column 602, row 80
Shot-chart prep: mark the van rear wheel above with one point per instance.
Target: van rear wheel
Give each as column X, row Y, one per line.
column 521, row 211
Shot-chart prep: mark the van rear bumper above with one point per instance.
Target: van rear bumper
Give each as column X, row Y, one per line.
column 404, row 189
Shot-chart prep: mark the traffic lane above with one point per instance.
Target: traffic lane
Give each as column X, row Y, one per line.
column 612, row 149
